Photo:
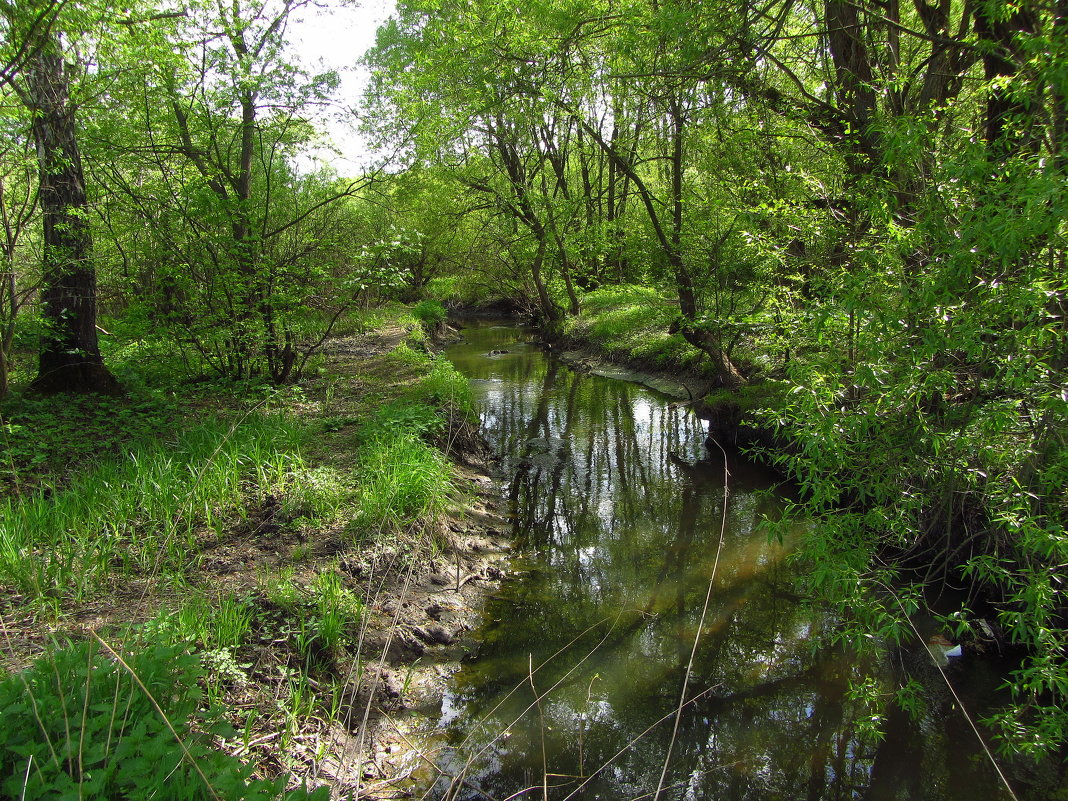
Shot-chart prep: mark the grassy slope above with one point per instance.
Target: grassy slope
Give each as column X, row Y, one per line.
column 629, row 325
column 233, row 521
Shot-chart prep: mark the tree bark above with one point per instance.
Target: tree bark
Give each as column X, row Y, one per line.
column 852, row 83
column 1008, row 110
column 70, row 358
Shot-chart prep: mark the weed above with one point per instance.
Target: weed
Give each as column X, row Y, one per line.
column 336, row 422
column 405, row 357
column 402, row 417
column 317, row 494
column 222, row 670
column 56, row 435
column 448, row 390
column 298, row 703
column 223, row 625
column 280, row 589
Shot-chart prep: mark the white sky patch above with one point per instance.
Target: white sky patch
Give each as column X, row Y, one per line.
column 334, row 37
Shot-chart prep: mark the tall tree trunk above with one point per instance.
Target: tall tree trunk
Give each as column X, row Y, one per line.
column 683, row 280
column 852, row 83
column 1008, row 110
column 8, row 294
column 70, row 358
column 548, row 308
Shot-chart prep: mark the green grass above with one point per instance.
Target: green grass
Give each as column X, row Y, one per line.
column 87, row 723
column 317, row 494
column 103, row 492
column 76, row 519
column 57, row 436
column 429, row 312
column 630, row 323
column 337, row 608
column 446, row 389
column 223, row 624
column 402, row 480
column 142, row 513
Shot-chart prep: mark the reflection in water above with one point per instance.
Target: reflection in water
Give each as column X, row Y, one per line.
column 618, row 508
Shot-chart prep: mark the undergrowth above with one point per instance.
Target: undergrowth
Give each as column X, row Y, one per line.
column 147, row 488
column 49, row 438
column 142, row 513
column 88, row 724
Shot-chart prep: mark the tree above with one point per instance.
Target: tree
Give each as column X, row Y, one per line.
column 70, row 359
column 244, row 255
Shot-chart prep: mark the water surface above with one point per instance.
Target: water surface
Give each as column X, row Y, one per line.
column 621, row 514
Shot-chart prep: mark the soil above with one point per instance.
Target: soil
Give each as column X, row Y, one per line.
column 686, row 389
column 419, row 617
column 419, row 629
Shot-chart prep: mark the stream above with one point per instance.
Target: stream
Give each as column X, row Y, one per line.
column 618, row 514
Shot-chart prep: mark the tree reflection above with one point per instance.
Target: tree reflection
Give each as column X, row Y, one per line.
column 611, row 489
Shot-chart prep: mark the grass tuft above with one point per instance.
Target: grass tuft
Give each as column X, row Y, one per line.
column 402, row 479
column 141, row 514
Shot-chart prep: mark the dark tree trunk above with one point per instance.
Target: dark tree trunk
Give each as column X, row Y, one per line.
column 70, row 354
column 852, row 83
column 1008, row 110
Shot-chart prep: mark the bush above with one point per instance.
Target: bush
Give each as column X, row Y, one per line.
column 80, row 725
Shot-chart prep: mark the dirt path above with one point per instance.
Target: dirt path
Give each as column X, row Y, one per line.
column 419, row 612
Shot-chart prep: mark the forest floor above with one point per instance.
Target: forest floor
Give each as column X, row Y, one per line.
column 349, row 713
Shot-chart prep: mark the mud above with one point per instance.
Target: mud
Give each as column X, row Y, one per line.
column 419, row 627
